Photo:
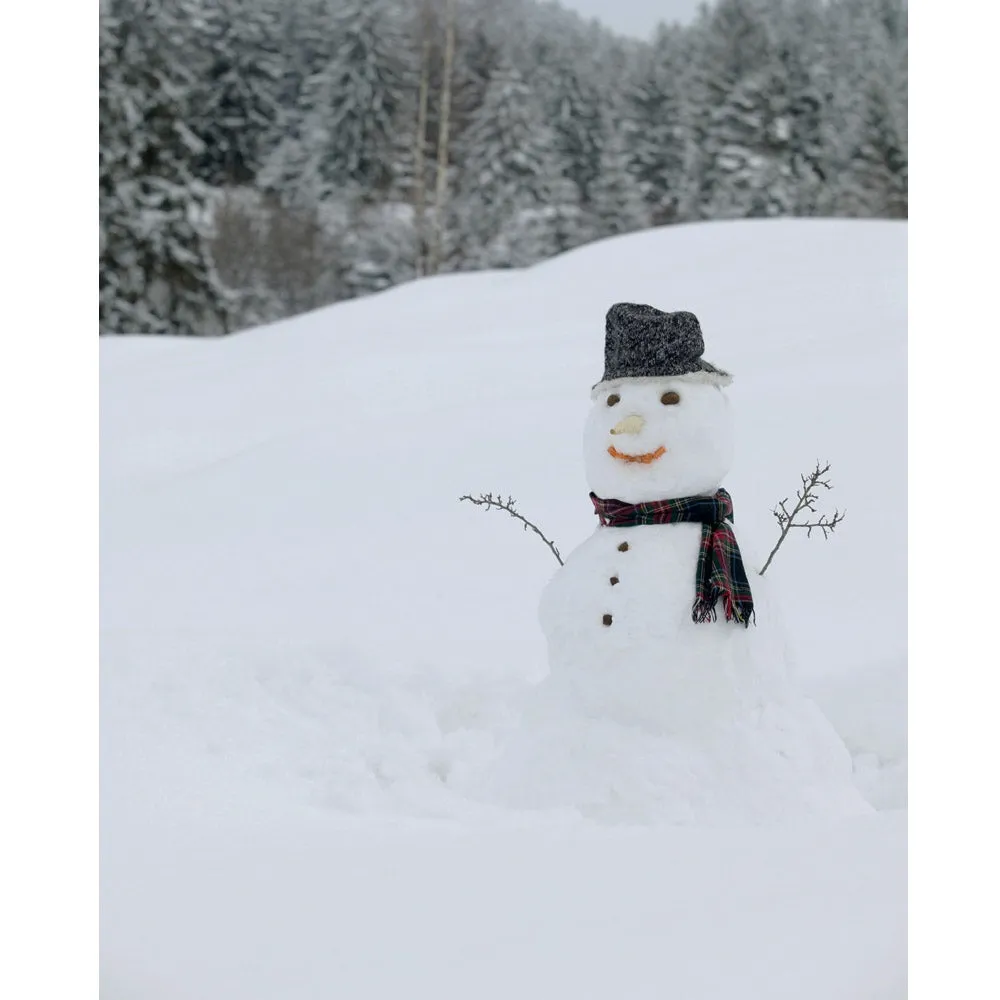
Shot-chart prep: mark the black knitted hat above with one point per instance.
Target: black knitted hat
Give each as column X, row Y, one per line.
column 643, row 342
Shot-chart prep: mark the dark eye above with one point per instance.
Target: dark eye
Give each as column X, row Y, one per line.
column 614, row 398
column 670, row 398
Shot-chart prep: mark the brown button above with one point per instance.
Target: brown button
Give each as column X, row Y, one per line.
column 623, row 547
column 606, row 619
column 614, row 580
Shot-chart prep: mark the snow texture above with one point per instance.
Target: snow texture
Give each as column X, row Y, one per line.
column 311, row 651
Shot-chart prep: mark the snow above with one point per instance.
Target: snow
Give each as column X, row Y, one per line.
column 311, row 912
column 310, row 648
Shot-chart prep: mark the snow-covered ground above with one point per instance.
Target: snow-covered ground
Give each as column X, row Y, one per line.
column 309, row 645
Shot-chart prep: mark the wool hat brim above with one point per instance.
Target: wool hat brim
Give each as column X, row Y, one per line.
column 706, row 375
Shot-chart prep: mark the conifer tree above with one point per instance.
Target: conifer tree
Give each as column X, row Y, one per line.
column 867, row 118
column 510, row 167
column 345, row 136
column 616, row 204
column 239, row 94
column 575, row 113
column 655, row 126
column 156, row 275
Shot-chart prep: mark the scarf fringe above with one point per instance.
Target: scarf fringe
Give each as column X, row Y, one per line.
column 704, row 611
column 741, row 612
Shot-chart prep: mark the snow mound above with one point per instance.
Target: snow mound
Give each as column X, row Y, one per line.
column 867, row 706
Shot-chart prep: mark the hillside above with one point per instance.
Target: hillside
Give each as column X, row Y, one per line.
column 307, row 641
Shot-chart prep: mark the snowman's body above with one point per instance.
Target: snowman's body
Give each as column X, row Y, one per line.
column 647, row 714
column 648, row 666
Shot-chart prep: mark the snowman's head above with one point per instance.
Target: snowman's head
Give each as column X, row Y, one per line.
column 660, row 427
column 650, row 439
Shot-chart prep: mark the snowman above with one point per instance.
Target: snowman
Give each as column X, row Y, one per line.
column 669, row 696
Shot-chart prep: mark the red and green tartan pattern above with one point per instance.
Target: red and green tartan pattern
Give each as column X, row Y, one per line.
column 720, row 573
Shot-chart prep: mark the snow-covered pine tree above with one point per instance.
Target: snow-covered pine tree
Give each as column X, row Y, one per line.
column 509, row 169
column 239, row 96
column 616, row 202
column 868, row 124
column 480, row 34
column 344, row 131
column 303, row 38
column 574, row 109
column 533, row 234
column 563, row 222
column 293, row 171
column 156, row 274
column 876, row 183
column 357, row 97
column 655, row 125
column 744, row 141
column 379, row 247
column 481, row 42
column 488, row 34
column 804, row 54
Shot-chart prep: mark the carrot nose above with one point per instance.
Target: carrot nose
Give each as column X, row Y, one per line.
column 632, row 424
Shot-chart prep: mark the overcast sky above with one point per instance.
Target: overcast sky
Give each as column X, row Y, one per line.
column 634, row 17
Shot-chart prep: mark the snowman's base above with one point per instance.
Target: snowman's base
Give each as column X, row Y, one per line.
column 655, row 718
column 774, row 762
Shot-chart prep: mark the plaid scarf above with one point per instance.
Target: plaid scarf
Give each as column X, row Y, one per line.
column 720, row 570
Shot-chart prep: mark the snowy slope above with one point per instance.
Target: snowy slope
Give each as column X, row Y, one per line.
column 308, row 643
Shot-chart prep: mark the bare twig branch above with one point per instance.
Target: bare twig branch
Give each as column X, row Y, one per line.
column 806, row 499
column 488, row 501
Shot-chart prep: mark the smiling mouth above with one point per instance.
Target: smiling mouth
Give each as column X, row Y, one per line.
column 647, row 459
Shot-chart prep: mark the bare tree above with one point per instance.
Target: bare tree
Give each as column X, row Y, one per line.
column 441, row 193
column 488, row 501
column 806, row 500
column 419, row 168
column 282, row 260
column 238, row 236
